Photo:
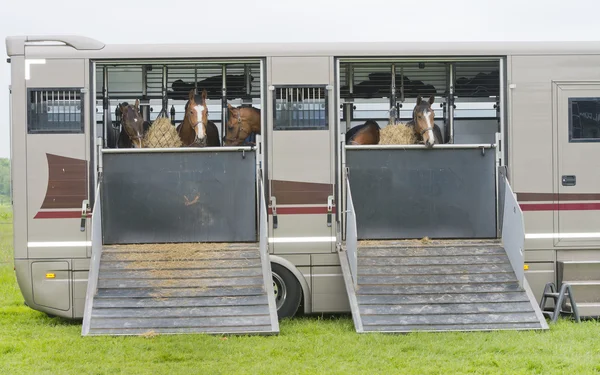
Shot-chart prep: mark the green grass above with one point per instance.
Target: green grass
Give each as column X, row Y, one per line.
column 33, row 343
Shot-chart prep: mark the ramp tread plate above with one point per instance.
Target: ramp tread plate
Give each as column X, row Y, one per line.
column 181, row 288
column 449, row 285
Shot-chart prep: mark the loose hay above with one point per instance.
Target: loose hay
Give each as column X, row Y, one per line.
column 162, row 134
column 399, row 134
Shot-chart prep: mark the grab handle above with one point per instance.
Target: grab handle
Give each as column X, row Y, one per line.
column 84, row 207
column 329, row 209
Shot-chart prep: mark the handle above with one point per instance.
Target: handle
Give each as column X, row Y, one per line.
column 84, row 207
column 274, row 209
column 329, row 209
column 569, row 180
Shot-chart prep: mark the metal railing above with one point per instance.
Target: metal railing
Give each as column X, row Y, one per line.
column 351, row 234
column 94, row 262
column 264, row 252
column 513, row 231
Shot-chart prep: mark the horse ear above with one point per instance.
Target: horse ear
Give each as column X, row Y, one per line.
column 204, row 95
column 191, row 96
column 419, row 99
column 230, row 108
column 137, row 105
column 431, row 99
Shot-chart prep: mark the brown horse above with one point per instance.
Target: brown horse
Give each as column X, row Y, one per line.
column 196, row 130
column 365, row 134
column 243, row 123
column 133, row 126
column 422, row 123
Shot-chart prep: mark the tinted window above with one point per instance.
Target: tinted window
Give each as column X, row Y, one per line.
column 584, row 119
column 55, row 111
column 300, row 108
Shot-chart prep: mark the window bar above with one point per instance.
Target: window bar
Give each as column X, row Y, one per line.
column 224, row 110
column 392, row 113
column 451, row 103
column 105, row 105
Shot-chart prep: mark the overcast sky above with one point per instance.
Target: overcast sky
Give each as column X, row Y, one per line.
column 176, row 21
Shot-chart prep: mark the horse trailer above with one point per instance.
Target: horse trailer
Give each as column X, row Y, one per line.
column 230, row 239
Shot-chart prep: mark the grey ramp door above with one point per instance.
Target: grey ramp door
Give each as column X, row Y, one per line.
column 413, row 193
column 179, row 197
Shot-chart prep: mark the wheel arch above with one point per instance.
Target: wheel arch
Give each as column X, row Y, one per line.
column 299, row 276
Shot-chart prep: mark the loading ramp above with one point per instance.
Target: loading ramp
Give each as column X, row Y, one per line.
column 433, row 242
column 193, row 286
column 453, row 285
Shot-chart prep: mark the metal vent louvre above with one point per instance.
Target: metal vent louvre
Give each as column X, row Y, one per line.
column 477, row 79
column 300, row 108
column 374, row 80
column 127, row 82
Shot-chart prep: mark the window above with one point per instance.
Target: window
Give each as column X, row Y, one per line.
column 300, row 108
column 55, row 111
column 584, row 119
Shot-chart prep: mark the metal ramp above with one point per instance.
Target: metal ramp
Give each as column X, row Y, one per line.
column 215, row 288
column 455, row 285
column 440, row 285
column 183, row 288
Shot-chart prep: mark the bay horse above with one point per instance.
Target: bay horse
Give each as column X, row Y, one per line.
column 365, row 134
column 196, row 130
column 242, row 125
column 422, row 123
column 133, row 126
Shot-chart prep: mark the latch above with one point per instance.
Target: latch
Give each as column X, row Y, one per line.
column 274, row 209
column 84, row 209
column 329, row 209
column 568, row 180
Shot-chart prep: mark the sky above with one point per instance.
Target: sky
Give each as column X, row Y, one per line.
column 176, row 21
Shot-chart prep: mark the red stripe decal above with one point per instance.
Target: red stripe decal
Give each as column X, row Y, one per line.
column 559, row 206
column 301, row 210
column 60, row 215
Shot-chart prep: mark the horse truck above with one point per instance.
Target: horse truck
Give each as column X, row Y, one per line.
column 464, row 235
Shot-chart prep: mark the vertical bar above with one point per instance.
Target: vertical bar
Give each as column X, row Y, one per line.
column 247, row 77
column 105, row 106
column 146, row 108
column 224, row 110
column 165, row 99
column 502, row 112
column 451, row 102
column 393, row 96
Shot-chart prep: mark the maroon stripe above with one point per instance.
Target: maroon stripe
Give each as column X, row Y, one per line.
column 301, row 210
column 60, row 215
column 541, row 197
column 559, row 206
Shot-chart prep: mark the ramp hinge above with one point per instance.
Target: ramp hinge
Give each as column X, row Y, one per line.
column 274, row 209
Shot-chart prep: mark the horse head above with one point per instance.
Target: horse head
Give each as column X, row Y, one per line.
column 423, row 117
column 132, row 122
column 196, row 114
column 242, row 122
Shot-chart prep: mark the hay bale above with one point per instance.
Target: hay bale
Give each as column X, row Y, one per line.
column 399, row 134
column 162, row 134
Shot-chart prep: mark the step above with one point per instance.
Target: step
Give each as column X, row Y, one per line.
column 585, row 291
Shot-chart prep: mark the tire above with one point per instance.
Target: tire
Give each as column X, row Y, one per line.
column 288, row 291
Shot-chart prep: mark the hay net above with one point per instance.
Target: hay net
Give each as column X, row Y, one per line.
column 397, row 134
column 162, row 134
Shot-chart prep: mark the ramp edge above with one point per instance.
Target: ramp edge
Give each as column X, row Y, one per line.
column 345, row 265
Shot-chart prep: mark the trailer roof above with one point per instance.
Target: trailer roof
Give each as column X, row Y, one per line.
column 79, row 46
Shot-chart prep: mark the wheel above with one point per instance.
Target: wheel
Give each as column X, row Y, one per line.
column 288, row 291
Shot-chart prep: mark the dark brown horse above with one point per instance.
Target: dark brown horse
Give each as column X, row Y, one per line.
column 243, row 123
column 133, row 126
column 365, row 134
column 196, row 130
column 422, row 123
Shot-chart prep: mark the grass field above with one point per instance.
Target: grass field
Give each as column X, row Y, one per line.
column 33, row 343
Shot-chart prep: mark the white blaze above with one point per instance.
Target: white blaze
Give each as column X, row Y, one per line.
column 429, row 125
column 200, row 110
